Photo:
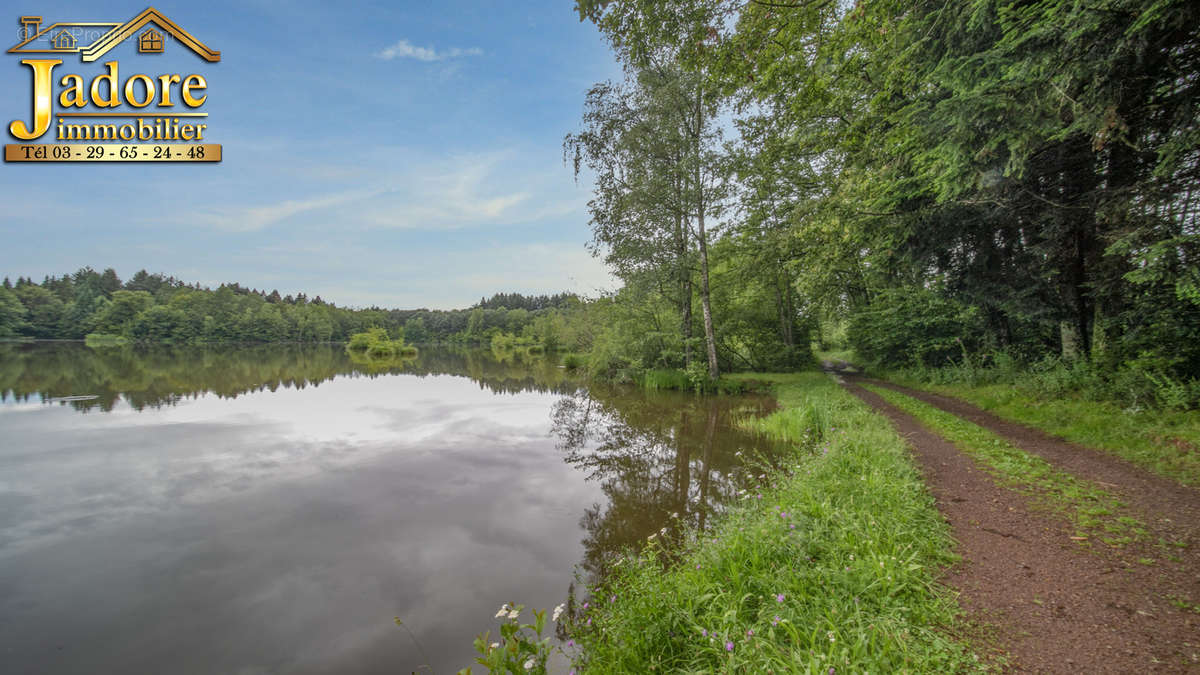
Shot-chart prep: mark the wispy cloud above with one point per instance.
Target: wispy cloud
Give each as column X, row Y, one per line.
column 254, row 218
column 430, row 194
column 406, row 50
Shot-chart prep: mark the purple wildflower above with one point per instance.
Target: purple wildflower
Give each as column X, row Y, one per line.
column 775, row 621
column 750, row 633
column 728, row 646
column 779, row 597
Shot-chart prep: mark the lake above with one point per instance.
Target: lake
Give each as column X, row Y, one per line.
column 270, row 509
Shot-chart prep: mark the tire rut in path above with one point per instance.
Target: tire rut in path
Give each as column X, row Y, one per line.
column 1055, row 606
column 1170, row 509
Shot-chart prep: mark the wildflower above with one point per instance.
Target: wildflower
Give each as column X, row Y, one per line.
column 775, row 621
column 529, row 664
column 750, row 633
column 570, row 643
column 558, row 612
column 758, row 496
column 779, row 597
column 503, row 611
column 663, row 531
column 495, row 645
column 792, row 526
column 514, row 614
column 589, row 621
column 830, row 636
column 613, row 599
column 728, row 646
column 697, row 565
column 585, row 605
column 704, row 632
column 674, row 514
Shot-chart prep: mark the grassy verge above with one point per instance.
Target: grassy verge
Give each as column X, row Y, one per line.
column 1166, row 442
column 829, row 566
column 1094, row 511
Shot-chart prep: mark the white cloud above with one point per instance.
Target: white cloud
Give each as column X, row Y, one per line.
column 406, row 50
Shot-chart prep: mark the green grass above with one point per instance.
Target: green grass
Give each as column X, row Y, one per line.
column 659, row 379
column 1093, row 510
column 847, row 355
column 665, row 378
column 833, row 568
column 104, row 340
column 1165, row 442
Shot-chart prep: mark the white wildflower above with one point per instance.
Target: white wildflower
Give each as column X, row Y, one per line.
column 503, row 611
column 514, row 614
column 558, row 612
column 495, row 645
column 529, row 664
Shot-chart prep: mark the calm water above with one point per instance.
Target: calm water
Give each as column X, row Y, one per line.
column 261, row 510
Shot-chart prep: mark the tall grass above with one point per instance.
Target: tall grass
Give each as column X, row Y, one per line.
column 829, row 564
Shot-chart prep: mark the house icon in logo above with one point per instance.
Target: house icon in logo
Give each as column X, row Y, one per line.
column 92, row 40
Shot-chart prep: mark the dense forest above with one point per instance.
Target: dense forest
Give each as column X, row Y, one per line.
column 157, row 308
column 984, row 185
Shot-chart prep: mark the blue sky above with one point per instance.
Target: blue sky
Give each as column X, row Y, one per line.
column 405, row 154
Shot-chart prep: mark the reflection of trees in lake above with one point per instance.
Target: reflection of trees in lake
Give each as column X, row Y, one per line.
column 153, row 376
column 655, row 455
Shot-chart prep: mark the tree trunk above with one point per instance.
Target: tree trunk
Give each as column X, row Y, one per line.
column 685, row 289
column 710, row 339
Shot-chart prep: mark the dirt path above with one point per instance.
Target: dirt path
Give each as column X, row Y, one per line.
column 1055, row 606
column 1171, row 509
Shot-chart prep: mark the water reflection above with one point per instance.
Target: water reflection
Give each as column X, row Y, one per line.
column 269, row 509
column 154, row 376
column 663, row 461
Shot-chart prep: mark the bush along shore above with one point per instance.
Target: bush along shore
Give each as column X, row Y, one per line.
column 828, row 564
